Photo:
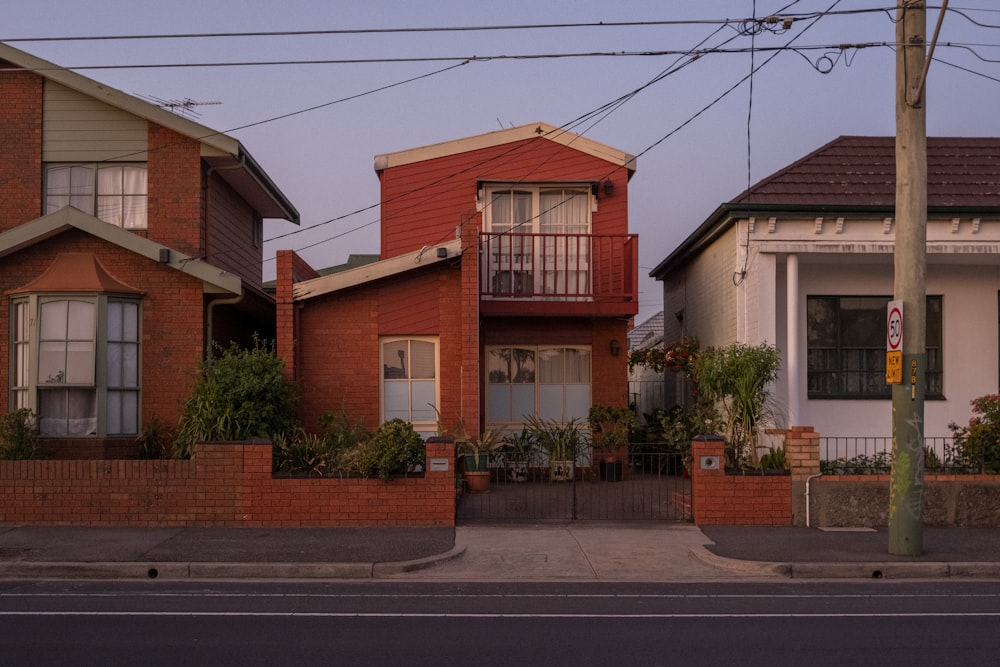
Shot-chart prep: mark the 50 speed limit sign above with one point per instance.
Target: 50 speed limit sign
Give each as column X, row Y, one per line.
column 894, row 343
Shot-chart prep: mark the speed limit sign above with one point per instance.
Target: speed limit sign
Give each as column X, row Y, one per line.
column 894, row 326
column 894, row 343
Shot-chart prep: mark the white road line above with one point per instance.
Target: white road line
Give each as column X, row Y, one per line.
column 266, row 614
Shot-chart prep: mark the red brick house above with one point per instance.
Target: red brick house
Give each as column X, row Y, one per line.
column 130, row 239
column 506, row 285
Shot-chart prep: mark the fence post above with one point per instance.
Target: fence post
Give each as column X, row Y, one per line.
column 802, row 454
column 707, row 478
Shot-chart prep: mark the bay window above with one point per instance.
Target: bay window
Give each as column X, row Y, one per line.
column 76, row 363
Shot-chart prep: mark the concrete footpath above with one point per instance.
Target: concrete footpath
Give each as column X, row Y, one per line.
column 579, row 551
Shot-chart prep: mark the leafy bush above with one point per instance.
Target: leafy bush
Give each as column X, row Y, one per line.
column 322, row 453
column 239, row 395
column 395, row 448
column 156, row 440
column 738, row 378
column 977, row 445
column 18, row 435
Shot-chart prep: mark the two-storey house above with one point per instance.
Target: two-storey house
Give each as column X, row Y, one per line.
column 130, row 242
column 505, row 289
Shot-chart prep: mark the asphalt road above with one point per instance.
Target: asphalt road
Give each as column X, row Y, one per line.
column 409, row 623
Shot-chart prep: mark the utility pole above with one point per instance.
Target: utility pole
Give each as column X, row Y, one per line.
column 907, row 483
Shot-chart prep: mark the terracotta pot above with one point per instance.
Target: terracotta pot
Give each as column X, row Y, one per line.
column 477, row 482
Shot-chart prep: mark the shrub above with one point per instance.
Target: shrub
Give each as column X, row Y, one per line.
column 18, row 435
column 322, row 453
column 156, row 440
column 395, row 448
column 977, row 445
column 738, row 378
column 239, row 395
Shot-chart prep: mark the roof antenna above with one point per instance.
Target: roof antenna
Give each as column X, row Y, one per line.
column 183, row 107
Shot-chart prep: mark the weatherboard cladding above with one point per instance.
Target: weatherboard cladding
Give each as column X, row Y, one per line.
column 861, row 171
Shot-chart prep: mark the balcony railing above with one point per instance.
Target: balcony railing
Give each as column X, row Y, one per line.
column 559, row 268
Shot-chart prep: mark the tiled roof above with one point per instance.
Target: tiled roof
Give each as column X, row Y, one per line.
column 861, row 171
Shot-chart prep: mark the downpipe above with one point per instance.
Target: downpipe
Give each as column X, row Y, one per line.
column 808, row 480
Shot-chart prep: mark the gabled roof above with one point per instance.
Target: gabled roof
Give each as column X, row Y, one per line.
column 508, row 136
column 215, row 280
column 236, row 165
column 858, row 174
column 376, row 270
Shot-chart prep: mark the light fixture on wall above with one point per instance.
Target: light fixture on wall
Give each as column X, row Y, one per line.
column 615, row 348
column 609, row 187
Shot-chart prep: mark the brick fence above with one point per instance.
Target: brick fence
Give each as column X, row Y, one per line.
column 805, row 497
column 721, row 498
column 225, row 484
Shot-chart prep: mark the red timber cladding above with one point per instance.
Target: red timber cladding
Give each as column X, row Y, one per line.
column 172, row 315
column 229, row 234
column 175, row 208
column 21, row 143
column 609, row 374
column 424, row 202
column 226, row 484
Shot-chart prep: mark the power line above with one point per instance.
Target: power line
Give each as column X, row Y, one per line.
column 435, row 29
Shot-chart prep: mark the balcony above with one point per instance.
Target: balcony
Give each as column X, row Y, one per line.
column 559, row 274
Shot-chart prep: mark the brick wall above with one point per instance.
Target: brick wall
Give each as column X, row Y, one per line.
column 226, row 484
column 175, row 192
column 21, row 139
column 718, row 498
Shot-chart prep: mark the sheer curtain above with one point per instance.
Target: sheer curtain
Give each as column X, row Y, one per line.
column 566, row 256
column 69, row 185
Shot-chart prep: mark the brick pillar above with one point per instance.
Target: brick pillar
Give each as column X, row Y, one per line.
column 802, row 454
column 440, row 474
column 708, row 483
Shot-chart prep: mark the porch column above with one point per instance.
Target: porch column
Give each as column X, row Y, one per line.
column 792, row 323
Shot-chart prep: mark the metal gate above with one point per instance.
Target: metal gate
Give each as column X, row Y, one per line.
column 648, row 486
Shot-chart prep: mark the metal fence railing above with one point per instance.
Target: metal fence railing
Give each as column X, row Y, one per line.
column 861, row 455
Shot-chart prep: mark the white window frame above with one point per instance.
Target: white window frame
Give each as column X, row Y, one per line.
column 117, row 405
column 100, row 197
column 532, row 265
column 509, row 420
column 420, row 411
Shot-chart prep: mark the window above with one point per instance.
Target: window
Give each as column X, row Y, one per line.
column 114, row 192
column 544, row 247
column 550, row 382
column 409, row 381
column 846, row 347
column 77, row 364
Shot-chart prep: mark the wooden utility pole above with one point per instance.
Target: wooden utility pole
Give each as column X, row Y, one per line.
column 907, row 484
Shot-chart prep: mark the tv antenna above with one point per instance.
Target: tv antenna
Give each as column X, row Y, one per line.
column 184, row 107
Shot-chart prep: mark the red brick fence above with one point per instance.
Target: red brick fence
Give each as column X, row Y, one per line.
column 804, row 497
column 225, row 484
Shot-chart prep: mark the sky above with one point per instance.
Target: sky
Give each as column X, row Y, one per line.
column 702, row 127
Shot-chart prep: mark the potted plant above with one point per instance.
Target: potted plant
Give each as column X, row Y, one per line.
column 518, row 451
column 477, row 457
column 560, row 442
column 609, row 428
